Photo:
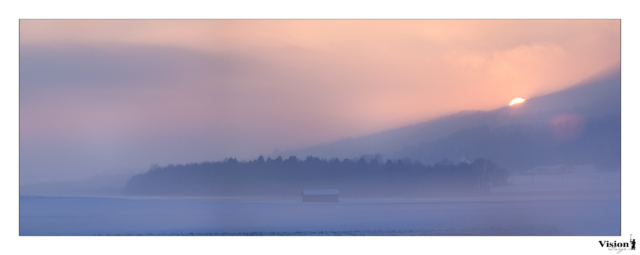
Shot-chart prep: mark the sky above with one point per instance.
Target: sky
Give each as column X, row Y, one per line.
column 108, row 95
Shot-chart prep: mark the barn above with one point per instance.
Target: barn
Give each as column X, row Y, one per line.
column 320, row 195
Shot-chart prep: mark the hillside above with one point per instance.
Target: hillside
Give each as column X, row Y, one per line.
column 521, row 147
column 586, row 103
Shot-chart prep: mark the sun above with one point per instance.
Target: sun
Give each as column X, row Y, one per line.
column 516, row 101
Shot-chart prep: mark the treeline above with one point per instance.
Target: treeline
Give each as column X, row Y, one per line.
column 367, row 176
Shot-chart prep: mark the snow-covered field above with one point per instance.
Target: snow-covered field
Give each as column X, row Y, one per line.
column 113, row 216
column 587, row 204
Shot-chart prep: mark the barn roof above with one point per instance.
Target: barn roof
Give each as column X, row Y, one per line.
column 307, row 192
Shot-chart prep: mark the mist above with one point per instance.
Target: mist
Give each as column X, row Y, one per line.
column 192, row 91
column 399, row 127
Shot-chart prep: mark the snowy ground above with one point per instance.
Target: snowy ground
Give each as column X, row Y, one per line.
column 523, row 208
column 112, row 216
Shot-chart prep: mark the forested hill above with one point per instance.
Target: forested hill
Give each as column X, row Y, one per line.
column 571, row 140
column 366, row 177
column 595, row 97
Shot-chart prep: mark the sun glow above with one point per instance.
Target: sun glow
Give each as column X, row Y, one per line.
column 516, row 101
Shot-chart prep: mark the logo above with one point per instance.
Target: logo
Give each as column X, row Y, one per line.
column 619, row 246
